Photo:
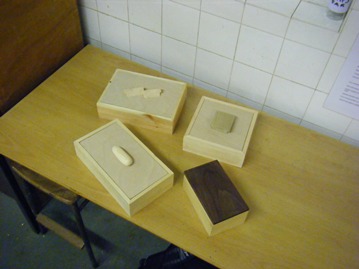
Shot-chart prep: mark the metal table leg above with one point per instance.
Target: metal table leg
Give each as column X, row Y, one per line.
column 83, row 233
column 20, row 198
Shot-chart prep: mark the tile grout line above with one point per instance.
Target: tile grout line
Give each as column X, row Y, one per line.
column 129, row 30
column 235, row 50
column 196, row 54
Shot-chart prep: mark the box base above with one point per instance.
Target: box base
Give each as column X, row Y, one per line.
column 157, row 107
column 134, row 186
column 213, row 151
column 211, row 229
column 228, row 145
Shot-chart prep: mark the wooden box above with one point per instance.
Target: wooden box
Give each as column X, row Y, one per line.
column 202, row 139
column 214, row 197
column 133, row 186
column 157, row 113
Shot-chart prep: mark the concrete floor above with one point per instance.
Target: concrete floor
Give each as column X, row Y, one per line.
column 116, row 242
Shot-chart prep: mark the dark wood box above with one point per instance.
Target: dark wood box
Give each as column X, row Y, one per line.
column 214, row 197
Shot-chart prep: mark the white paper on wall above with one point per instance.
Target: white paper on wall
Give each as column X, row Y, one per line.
column 344, row 96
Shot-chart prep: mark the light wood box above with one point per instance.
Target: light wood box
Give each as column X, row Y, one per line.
column 158, row 113
column 214, row 197
column 133, row 186
column 230, row 147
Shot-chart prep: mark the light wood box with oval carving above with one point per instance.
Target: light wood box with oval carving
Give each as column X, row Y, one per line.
column 134, row 186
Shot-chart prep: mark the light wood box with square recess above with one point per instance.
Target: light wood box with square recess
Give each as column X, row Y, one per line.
column 157, row 111
column 229, row 147
column 214, row 197
column 129, row 171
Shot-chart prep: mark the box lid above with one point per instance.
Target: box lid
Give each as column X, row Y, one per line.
column 163, row 106
column 216, row 192
column 145, row 170
column 237, row 138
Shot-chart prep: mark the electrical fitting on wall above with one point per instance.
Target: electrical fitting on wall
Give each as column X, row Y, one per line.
column 337, row 9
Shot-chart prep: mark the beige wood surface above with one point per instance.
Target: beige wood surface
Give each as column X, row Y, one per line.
column 302, row 187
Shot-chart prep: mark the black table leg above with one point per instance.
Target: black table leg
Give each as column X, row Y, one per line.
column 20, row 198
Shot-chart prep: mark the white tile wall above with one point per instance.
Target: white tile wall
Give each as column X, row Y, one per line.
column 281, row 57
column 209, row 87
column 281, row 114
column 348, row 35
column 177, row 75
column 114, row 32
column 117, row 52
column 147, row 14
column 311, row 35
column 288, row 97
column 258, row 49
column 117, row 9
column 191, row 3
column 96, row 43
column 318, row 2
column 147, row 63
column 265, row 20
column 353, row 130
column 178, row 56
column 301, row 63
column 218, row 35
column 90, row 24
column 355, row 4
column 285, row 7
column 213, row 69
column 88, row 3
column 145, row 44
column 244, row 101
column 250, row 82
column 232, row 10
column 180, row 22
column 315, row 14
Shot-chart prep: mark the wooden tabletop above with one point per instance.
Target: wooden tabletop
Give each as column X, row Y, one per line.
column 302, row 188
